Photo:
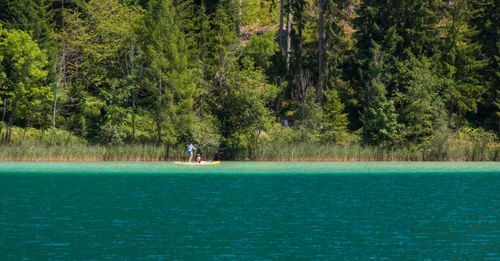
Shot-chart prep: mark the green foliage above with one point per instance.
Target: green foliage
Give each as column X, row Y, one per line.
column 261, row 49
column 22, row 77
column 410, row 79
column 309, row 116
column 379, row 115
column 108, row 24
column 206, row 135
column 334, row 119
column 462, row 59
column 111, row 130
column 167, row 77
column 241, row 104
column 259, row 13
column 216, row 30
column 421, row 108
column 465, row 144
column 36, row 137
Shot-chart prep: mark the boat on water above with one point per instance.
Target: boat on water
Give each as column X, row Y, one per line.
column 208, row 162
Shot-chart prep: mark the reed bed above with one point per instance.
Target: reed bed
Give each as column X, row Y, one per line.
column 78, row 152
column 316, row 152
column 330, row 152
column 265, row 152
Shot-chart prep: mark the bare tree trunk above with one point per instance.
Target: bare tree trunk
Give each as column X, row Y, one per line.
column 54, row 115
column 62, row 73
column 240, row 26
column 134, row 92
column 299, row 60
column 4, row 108
column 158, row 112
column 288, row 36
column 167, row 151
column 320, row 53
column 9, row 135
column 9, row 126
column 281, row 28
column 133, row 116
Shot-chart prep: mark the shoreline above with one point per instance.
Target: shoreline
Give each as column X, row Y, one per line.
column 260, row 160
column 267, row 152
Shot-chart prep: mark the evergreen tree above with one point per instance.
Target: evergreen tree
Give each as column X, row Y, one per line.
column 339, row 47
column 421, row 109
column 379, row 117
column 462, row 59
column 240, row 105
column 334, row 119
column 167, row 77
column 485, row 20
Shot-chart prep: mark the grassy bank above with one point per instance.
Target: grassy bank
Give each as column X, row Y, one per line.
column 35, row 145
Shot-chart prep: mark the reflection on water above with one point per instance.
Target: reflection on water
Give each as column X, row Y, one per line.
column 249, row 217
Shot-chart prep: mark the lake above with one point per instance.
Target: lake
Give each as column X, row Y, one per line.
column 250, row 211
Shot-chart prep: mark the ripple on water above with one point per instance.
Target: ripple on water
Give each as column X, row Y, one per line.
column 158, row 212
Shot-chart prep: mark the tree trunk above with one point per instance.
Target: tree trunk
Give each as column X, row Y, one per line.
column 9, row 126
column 9, row 135
column 167, row 151
column 158, row 111
column 300, row 24
column 61, row 76
column 281, row 28
column 288, row 35
column 240, row 25
column 133, row 115
column 300, row 51
column 4, row 108
column 134, row 92
column 320, row 53
column 61, row 70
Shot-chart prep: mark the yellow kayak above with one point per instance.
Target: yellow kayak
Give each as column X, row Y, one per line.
column 196, row 163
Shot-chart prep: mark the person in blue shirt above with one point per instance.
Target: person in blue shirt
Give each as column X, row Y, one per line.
column 191, row 149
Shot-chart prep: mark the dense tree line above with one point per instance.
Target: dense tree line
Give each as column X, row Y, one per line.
column 230, row 74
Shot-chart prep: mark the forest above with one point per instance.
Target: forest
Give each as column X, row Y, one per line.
column 250, row 79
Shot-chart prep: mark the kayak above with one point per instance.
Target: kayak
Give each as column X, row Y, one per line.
column 196, row 163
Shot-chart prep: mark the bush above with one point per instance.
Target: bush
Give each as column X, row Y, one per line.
column 465, row 144
column 111, row 134
column 32, row 136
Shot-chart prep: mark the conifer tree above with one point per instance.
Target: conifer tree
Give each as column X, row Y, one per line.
column 486, row 20
column 167, row 76
column 378, row 116
column 334, row 119
column 462, row 59
column 421, row 110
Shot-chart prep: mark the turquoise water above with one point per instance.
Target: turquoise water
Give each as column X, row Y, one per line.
column 289, row 211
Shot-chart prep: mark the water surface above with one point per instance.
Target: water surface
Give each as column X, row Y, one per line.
column 289, row 211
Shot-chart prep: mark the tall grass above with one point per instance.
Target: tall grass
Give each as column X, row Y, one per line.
column 466, row 145
column 35, row 145
column 268, row 152
column 329, row 152
column 79, row 152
